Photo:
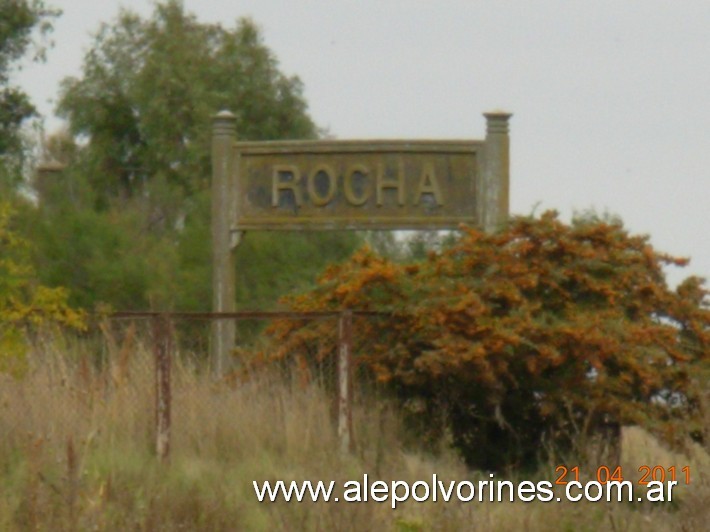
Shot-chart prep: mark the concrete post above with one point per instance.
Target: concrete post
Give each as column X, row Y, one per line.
column 48, row 181
column 345, row 400
column 223, row 273
column 495, row 199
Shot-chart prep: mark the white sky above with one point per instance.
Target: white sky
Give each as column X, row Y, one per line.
column 611, row 99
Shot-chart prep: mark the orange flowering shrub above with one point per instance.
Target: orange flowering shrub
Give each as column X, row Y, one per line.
column 544, row 332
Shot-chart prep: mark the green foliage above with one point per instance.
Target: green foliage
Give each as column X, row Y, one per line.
column 87, row 251
column 128, row 221
column 150, row 87
column 544, row 332
column 22, row 300
column 18, row 19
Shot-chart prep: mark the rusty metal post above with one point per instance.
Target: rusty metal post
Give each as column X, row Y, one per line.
column 223, row 243
column 495, row 199
column 162, row 354
column 345, row 419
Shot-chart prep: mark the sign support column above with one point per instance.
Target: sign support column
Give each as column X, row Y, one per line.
column 494, row 197
column 223, row 244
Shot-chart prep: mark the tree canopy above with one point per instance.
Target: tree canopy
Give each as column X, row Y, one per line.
column 127, row 221
column 18, row 20
column 149, row 88
column 544, row 332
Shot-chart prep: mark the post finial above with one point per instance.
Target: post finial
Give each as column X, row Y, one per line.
column 224, row 123
column 497, row 121
column 50, row 166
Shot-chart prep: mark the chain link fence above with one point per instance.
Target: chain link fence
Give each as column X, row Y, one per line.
column 151, row 374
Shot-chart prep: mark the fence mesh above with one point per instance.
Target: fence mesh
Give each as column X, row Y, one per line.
column 104, row 381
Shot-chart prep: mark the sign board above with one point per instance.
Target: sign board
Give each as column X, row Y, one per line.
column 319, row 185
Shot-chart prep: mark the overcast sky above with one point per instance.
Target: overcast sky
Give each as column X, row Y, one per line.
column 611, row 99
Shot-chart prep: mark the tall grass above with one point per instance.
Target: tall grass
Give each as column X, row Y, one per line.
column 77, row 454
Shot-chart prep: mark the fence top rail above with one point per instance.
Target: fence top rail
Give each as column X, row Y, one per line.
column 244, row 315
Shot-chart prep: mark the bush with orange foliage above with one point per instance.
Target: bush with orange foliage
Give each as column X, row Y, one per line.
column 534, row 337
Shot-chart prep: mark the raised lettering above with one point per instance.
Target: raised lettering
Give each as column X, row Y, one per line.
column 350, row 196
column 278, row 184
column 397, row 184
column 316, row 198
column 428, row 185
column 322, row 185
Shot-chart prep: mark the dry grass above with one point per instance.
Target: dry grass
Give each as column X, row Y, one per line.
column 76, row 454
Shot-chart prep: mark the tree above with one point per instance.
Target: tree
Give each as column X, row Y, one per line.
column 140, row 115
column 23, row 301
column 544, row 332
column 150, row 87
column 18, row 19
